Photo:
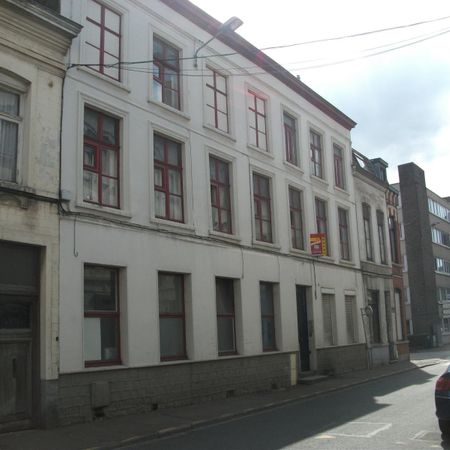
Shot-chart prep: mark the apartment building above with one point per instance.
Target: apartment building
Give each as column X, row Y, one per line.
column 192, row 177
column 33, row 43
column 426, row 250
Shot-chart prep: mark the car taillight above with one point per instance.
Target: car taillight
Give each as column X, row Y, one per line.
column 443, row 384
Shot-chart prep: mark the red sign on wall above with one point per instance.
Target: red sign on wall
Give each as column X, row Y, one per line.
column 318, row 243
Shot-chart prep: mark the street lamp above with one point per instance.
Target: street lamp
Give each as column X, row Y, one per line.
column 231, row 24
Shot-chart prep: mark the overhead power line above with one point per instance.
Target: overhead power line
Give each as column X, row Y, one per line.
column 275, row 47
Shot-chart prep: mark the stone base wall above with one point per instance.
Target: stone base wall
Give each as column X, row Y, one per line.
column 403, row 350
column 83, row 397
column 341, row 359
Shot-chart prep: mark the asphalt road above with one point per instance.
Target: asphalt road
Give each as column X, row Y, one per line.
column 396, row 412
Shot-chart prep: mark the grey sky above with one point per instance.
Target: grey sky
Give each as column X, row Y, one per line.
column 400, row 100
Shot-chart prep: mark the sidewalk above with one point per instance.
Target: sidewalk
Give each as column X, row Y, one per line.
column 110, row 433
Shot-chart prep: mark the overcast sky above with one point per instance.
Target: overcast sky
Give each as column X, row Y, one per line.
column 400, row 99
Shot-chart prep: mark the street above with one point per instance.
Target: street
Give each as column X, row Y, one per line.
column 391, row 413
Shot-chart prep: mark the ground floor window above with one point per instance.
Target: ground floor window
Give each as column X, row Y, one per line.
column 267, row 316
column 226, row 323
column 172, row 329
column 101, row 316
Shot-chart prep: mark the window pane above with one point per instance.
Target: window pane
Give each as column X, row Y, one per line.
column 158, row 148
column 260, row 105
column 224, row 197
column 170, row 288
column 89, row 156
column 112, row 20
column 224, row 296
column 158, row 177
column 109, row 162
column 176, row 208
column 171, row 336
column 266, row 293
column 171, row 79
column 221, row 83
column 92, row 33
column 215, row 219
column 100, row 289
column 174, row 153
column 174, row 182
column 225, row 219
column 221, row 102
column 94, row 11
column 90, row 186
column 158, row 48
column 109, row 130
column 160, row 204
column 100, row 339
column 92, row 56
column 157, row 90
column 8, row 150
column 110, row 191
column 170, row 98
column 223, row 172
column 222, row 120
column 225, row 334
column 266, row 232
column 90, row 123
column 268, row 333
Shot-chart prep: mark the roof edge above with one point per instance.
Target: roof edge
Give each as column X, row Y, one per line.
column 202, row 19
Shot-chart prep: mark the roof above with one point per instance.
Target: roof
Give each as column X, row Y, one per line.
column 203, row 20
column 368, row 167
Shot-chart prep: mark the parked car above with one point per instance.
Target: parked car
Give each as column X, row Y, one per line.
column 442, row 400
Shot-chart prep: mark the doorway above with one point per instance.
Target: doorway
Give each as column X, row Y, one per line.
column 303, row 329
column 19, row 300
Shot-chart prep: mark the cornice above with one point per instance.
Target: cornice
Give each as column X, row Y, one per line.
column 253, row 54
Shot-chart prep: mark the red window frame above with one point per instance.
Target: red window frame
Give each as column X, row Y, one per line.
column 215, row 165
column 321, row 218
column 269, row 316
column 290, row 138
column 161, row 66
column 344, row 235
column 110, row 315
column 98, row 144
column 259, row 200
column 165, row 166
column 381, row 237
column 217, row 92
column 296, row 217
column 367, row 231
column 316, row 146
column 229, row 316
column 338, row 166
column 253, row 108
column 181, row 315
column 103, row 29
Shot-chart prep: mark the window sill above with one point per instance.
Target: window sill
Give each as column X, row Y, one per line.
column 346, row 262
column 169, row 108
column 219, row 132
column 259, row 151
column 171, row 225
column 318, row 180
column 293, row 167
column 100, row 76
column 225, row 236
column 266, row 245
column 106, row 210
column 299, row 251
column 341, row 191
column 100, row 367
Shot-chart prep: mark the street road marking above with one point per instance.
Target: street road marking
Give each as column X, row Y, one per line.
column 430, row 436
column 361, row 429
column 325, row 436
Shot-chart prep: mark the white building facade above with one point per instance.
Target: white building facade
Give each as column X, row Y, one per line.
column 190, row 188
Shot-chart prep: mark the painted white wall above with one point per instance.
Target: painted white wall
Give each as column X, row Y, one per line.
column 143, row 245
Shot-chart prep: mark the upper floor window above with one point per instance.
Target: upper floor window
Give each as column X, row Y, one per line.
column 9, row 133
column 290, row 139
column 442, row 265
column 381, row 236
column 344, row 235
column 321, row 219
column 440, row 237
column 393, row 238
column 263, row 208
column 367, row 231
column 338, row 154
column 220, row 195
column 296, row 216
column 217, row 100
column 101, row 316
column 166, row 73
column 103, row 34
column 438, row 210
column 101, row 158
column 315, row 143
column 168, row 170
column 257, row 119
